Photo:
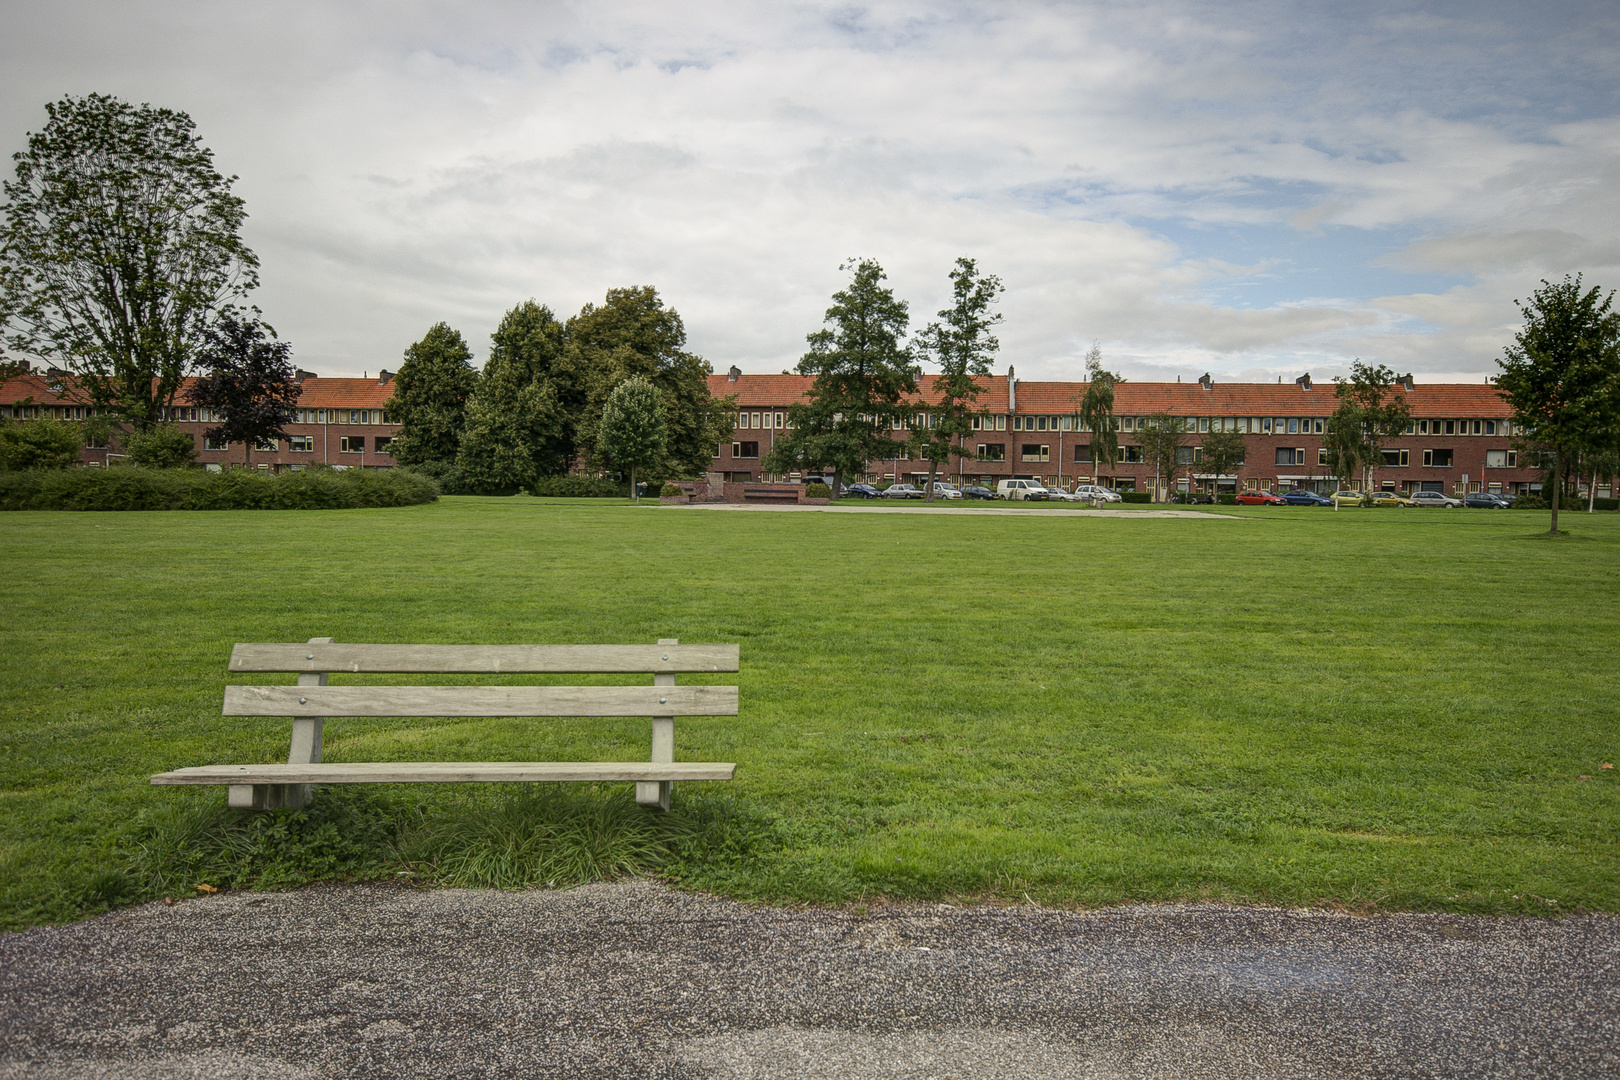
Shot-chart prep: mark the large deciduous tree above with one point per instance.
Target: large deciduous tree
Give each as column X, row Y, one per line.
column 430, row 398
column 121, row 244
column 1096, row 411
column 39, row 444
column 249, row 382
column 1162, row 437
column 632, row 432
column 633, row 334
column 1370, row 412
column 517, row 425
column 1561, row 375
column 963, row 348
column 862, row 370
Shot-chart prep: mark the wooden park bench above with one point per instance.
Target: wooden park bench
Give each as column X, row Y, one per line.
column 312, row 700
column 757, row 494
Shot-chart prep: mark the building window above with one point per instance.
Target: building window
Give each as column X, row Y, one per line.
column 1082, row 454
column 1129, row 455
column 1490, row 427
column 1501, row 459
column 1285, row 455
column 301, row 444
column 1186, row 455
column 383, row 442
column 267, row 446
column 352, row 444
column 1321, row 455
column 1397, row 459
column 777, row 418
column 993, row 451
column 745, row 449
column 1203, row 424
column 1437, row 459
column 215, row 444
column 1034, row 452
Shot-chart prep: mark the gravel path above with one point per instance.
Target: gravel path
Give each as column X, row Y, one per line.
column 636, row 980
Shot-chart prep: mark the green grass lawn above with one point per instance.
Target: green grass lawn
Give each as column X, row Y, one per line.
column 1372, row 708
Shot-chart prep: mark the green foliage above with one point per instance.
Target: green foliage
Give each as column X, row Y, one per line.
column 1223, row 453
column 1226, row 500
column 817, row 491
column 1369, row 412
column 445, row 474
column 1136, row 496
column 633, row 334
column 1529, row 502
column 1096, row 408
column 430, row 398
column 1601, row 503
column 161, row 446
column 121, row 244
column 1161, row 438
column 670, row 491
column 963, row 348
column 578, row 486
column 862, row 371
column 517, row 427
column 1561, row 375
column 136, row 488
column 39, row 444
column 633, row 433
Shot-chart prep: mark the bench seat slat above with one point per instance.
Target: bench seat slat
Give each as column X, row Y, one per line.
column 446, row 772
column 486, row 659
column 480, row 701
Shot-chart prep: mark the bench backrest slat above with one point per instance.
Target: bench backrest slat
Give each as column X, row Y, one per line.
column 480, row 701
column 486, row 659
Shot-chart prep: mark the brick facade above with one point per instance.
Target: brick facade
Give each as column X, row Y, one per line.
column 1461, row 436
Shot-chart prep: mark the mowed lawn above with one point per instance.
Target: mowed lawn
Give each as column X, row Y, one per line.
column 1372, row 708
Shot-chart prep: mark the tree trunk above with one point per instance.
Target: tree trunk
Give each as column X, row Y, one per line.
column 933, row 467
column 1591, row 494
column 633, row 497
column 1557, row 482
column 838, row 484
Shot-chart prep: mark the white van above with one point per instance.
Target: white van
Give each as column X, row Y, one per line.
column 1026, row 490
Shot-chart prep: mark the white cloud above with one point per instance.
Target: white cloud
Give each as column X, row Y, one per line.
column 410, row 163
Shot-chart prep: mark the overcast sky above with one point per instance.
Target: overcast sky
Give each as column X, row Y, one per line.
column 1253, row 190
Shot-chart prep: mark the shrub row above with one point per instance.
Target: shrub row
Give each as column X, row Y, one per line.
column 136, row 488
column 1136, row 496
column 581, row 487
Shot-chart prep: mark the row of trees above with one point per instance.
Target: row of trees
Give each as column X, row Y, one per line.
column 612, row 387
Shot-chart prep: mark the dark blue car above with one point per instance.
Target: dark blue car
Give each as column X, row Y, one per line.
column 975, row 491
column 1301, row 497
column 863, row 491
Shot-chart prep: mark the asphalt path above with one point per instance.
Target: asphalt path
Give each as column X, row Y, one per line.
column 636, row 980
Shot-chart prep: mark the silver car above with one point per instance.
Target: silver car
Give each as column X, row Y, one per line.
column 902, row 491
column 1434, row 498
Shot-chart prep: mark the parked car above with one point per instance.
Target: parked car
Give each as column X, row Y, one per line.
column 1434, row 498
column 863, row 491
column 977, row 491
column 1021, row 491
column 1301, row 497
column 1193, row 497
column 1388, row 498
column 902, row 491
column 1484, row 500
column 1095, row 491
column 1260, row 498
column 1059, row 495
column 1346, row 498
column 942, row 490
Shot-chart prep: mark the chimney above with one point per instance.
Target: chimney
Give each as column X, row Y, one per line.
column 302, row 375
column 1012, row 390
column 384, row 376
column 1206, row 382
column 1304, row 381
column 1406, row 381
column 734, row 373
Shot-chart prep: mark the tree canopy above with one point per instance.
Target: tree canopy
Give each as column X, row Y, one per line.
column 1370, row 411
column 963, row 348
column 862, row 370
column 632, row 432
column 516, row 422
column 1096, row 409
column 120, row 246
column 249, row 381
column 430, row 398
column 1561, row 375
column 1162, row 437
column 1223, row 454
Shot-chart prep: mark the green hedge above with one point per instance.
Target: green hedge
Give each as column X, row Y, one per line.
column 580, row 487
column 1136, row 496
column 817, row 491
column 135, row 488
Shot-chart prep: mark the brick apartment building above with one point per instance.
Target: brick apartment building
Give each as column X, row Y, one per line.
column 340, row 422
column 1461, row 437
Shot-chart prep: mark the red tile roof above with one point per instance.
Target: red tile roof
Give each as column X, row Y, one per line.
column 314, row 392
column 1477, row 400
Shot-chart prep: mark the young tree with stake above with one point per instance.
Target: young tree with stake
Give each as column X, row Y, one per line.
column 964, row 349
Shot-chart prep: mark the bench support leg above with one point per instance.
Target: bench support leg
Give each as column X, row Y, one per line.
column 656, row 794
column 306, row 744
column 248, row 796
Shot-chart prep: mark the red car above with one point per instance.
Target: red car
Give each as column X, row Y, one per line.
column 1260, row 498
